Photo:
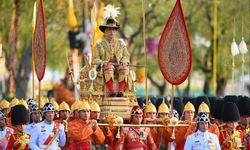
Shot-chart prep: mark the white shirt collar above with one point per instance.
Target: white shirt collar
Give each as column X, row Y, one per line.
column 202, row 133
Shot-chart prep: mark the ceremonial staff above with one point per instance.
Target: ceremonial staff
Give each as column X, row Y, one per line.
column 234, row 52
column 216, row 3
column 143, row 125
column 144, row 48
column 32, row 61
column 243, row 50
column 166, row 122
column 2, row 66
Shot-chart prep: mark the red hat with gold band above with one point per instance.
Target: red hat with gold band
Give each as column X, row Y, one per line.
column 136, row 110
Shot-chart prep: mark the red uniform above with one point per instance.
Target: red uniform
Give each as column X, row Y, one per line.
column 229, row 138
column 138, row 138
column 18, row 141
column 245, row 129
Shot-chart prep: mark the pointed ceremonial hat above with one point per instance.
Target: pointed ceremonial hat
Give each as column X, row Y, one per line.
column 24, row 103
column 75, row 106
column 54, row 103
column 64, row 106
column 203, row 108
column 4, row 104
column 150, row 108
column 14, row 102
column 94, row 106
column 163, row 108
column 189, row 107
column 84, row 105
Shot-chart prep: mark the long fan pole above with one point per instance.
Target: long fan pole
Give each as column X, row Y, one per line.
column 144, row 47
column 39, row 94
column 215, row 45
column 172, row 99
column 32, row 59
column 93, row 23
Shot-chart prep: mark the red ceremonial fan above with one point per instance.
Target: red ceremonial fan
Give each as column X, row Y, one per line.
column 39, row 42
column 174, row 50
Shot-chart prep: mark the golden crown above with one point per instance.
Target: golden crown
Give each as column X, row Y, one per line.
column 203, row 108
column 75, row 105
column 84, row 105
column 54, row 103
column 4, row 104
column 14, row 102
column 64, row 106
column 24, row 103
column 189, row 107
column 163, row 108
column 150, row 108
column 94, row 106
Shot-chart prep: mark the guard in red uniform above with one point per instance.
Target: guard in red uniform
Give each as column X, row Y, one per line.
column 19, row 139
column 244, row 127
column 230, row 138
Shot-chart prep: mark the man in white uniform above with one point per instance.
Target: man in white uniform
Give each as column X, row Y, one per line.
column 48, row 134
column 35, row 118
column 202, row 139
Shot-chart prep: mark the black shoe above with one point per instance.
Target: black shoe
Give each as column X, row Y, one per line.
column 120, row 94
column 112, row 95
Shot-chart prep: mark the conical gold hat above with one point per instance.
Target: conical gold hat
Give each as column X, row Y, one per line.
column 163, row 108
column 150, row 108
column 54, row 103
column 4, row 104
column 14, row 102
column 189, row 107
column 75, row 105
column 64, row 106
column 24, row 103
column 94, row 106
column 84, row 105
column 203, row 108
